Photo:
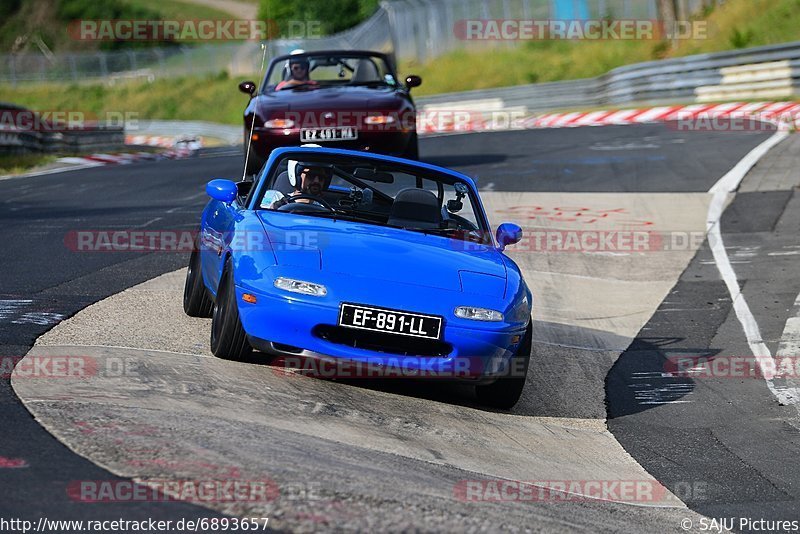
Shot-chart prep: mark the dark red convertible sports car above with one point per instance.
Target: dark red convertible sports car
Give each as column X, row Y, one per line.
column 340, row 99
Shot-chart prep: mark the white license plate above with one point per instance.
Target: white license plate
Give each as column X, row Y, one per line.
column 390, row 321
column 328, row 134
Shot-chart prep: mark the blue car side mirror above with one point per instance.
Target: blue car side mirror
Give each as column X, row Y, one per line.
column 222, row 190
column 508, row 234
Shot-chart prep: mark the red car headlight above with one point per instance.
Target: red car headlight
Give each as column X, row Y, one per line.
column 380, row 119
column 279, row 123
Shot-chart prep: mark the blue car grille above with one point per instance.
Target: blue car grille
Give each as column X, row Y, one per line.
column 380, row 342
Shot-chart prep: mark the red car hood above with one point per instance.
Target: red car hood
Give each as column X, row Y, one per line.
column 334, row 98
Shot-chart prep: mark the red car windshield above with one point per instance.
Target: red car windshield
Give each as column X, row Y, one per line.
column 309, row 70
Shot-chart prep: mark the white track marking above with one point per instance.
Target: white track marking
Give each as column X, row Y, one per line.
column 620, row 117
column 143, row 225
column 653, row 113
column 724, row 187
column 81, row 161
column 646, row 394
column 753, row 106
column 590, row 118
column 10, row 307
column 789, row 350
column 722, row 108
column 729, row 182
column 566, row 118
column 15, row 311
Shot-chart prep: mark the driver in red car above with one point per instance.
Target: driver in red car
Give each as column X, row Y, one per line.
column 298, row 71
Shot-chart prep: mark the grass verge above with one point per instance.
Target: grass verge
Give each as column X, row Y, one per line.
column 17, row 163
column 212, row 98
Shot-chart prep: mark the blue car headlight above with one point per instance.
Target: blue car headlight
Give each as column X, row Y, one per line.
column 478, row 314
column 301, row 286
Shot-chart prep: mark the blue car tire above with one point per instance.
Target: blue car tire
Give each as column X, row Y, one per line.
column 506, row 391
column 196, row 302
column 228, row 338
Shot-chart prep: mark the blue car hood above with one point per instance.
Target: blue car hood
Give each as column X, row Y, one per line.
column 380, row 253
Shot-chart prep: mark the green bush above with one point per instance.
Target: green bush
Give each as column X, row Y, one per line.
column 68, row 10
column 8, row 8
column 741, row 39
column 71, row 10
column 334, row 16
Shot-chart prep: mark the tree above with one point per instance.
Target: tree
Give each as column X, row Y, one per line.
column 666, row 12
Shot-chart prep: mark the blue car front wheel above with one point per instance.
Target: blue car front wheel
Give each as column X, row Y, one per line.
column 196, row 302
column 506, row 390
column 228, row 339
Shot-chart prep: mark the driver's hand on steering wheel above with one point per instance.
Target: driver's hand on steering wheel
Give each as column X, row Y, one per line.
column 287, row 199
column 278, row 203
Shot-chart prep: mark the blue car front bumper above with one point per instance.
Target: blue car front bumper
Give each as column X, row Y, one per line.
column 298, row 325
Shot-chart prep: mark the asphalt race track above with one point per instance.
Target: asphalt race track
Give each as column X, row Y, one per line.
column 392, row 454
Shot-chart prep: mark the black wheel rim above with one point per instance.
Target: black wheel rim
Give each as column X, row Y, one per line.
column 218, row 316
column 189, row 285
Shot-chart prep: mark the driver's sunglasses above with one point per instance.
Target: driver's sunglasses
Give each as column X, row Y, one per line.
column 299, row 67
column 315, row 176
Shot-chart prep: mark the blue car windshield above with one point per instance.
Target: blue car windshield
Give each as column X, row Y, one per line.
column 377, row 193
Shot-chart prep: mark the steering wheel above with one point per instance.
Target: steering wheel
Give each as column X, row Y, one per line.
column 292, row 199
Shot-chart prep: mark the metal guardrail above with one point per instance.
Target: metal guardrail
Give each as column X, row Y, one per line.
column 35, row 134
column 147, row 64
column 63, row 142
column 653, row 82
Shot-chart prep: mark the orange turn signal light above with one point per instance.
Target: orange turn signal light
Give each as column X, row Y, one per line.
column 247, row 297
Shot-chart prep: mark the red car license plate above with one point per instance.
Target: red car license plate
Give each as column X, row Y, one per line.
column 328, row 134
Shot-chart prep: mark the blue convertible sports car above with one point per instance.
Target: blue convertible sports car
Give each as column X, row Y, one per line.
column 345, row 256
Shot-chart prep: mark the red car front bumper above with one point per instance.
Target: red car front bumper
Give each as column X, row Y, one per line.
column 392, row 142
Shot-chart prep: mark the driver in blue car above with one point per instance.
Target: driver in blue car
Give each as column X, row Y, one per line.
column 313, row 180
